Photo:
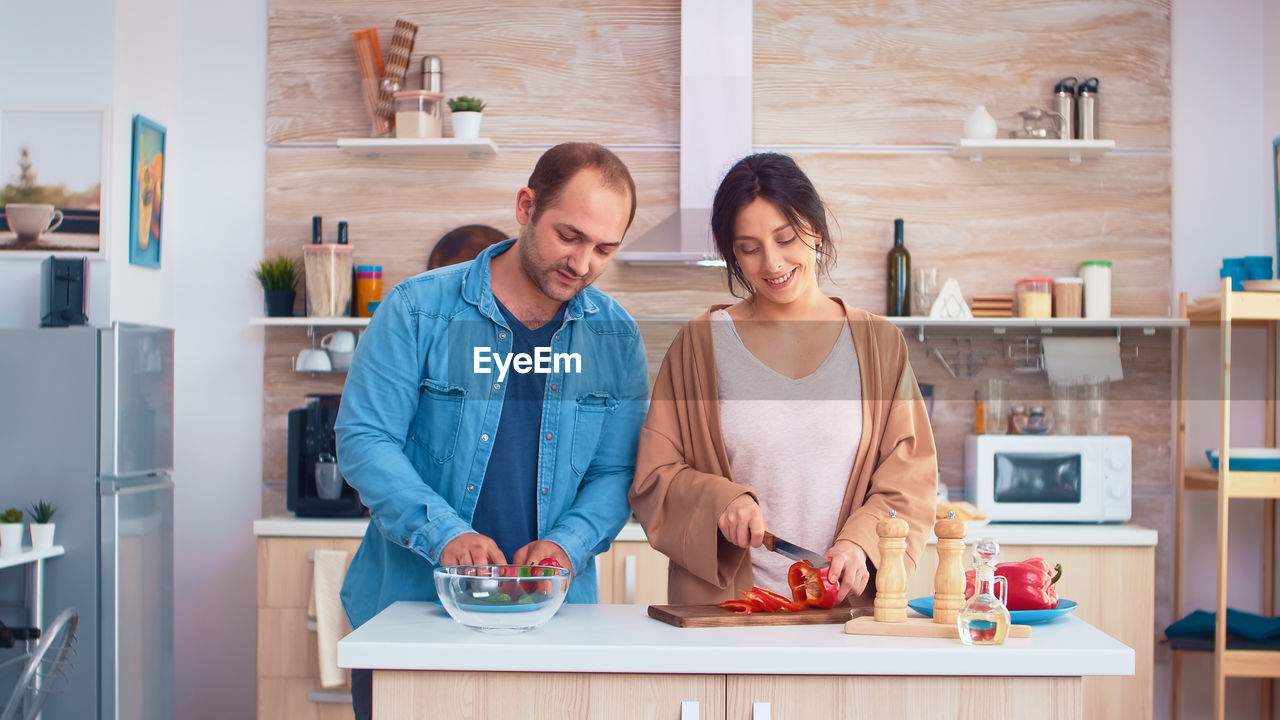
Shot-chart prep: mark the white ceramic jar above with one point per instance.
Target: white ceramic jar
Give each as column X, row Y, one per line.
column 1097, row 288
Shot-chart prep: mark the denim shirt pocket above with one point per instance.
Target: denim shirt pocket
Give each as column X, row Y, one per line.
column 591, row 412
column 439, row 417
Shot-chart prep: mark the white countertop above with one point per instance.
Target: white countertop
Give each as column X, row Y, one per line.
column 1003, row 533
column 623, row 639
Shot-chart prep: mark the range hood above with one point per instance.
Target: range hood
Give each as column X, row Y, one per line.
column 715, row 128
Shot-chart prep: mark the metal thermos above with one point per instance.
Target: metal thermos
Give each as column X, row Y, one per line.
column 1064, row 95
column 432, row 74
column 1087, row 110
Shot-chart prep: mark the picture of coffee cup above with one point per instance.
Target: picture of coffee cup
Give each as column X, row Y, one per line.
column 28, row 221
column 313, row 360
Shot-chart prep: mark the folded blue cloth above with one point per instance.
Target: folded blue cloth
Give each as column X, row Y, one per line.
column 1200, row 623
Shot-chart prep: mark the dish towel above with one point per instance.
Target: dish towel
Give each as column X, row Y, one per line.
column 331, row 621
column 1200, row 623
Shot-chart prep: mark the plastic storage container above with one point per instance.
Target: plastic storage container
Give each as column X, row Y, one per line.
column 1068, row 297
column 1035, row 297
column 418, row 114
column 1097, row 288
column 368, row 289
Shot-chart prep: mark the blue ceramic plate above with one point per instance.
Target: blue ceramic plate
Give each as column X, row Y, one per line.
column 1256, row 459
column 924, row 606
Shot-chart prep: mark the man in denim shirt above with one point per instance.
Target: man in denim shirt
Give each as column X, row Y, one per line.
column 492, row 409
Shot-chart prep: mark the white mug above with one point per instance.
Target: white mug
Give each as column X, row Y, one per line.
column 339, row 341
column 29, row 220
column 313, row 360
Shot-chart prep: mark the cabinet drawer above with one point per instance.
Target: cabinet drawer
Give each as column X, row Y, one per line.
column 286, row 648
column 287, row 698
column 285, row 573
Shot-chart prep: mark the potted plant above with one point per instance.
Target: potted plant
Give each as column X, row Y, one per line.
column 278, row 277
column 466, row 116
column 42, row 525
column 11, row 531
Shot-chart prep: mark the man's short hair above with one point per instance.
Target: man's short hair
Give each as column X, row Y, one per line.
column 558, row 165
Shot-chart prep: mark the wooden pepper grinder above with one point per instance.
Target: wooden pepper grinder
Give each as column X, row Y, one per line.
column 891, row 575
column 948, row 581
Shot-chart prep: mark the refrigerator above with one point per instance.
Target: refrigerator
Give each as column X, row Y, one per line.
column 86, row 422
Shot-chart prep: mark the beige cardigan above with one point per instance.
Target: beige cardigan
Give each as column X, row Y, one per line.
column 683, row 482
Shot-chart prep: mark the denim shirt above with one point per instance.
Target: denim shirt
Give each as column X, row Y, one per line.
column 416, row 422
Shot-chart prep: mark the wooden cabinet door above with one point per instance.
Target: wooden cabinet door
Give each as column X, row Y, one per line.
column 633, row 572
column 1114, row 587
column 403, row 695
column 288, row 665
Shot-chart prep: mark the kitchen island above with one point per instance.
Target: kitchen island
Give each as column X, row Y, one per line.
column 613, row 661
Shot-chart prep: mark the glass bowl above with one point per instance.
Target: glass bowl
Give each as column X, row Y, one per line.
column 501, row 599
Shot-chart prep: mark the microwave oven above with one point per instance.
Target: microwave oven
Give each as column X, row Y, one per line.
column 1049, row 478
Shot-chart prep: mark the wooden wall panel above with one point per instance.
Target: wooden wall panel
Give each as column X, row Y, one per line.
column 883, row 72
column 605, row 71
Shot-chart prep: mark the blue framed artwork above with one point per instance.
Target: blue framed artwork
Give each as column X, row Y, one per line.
column 146, row 192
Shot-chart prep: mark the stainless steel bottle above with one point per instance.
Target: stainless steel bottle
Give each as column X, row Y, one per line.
column 1064, row 95
column 432, row 74
column 1087, row 110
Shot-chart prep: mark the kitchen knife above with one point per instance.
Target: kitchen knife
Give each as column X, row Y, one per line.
column 793, row 551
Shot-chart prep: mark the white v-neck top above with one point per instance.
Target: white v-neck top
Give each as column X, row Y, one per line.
column 793, row 442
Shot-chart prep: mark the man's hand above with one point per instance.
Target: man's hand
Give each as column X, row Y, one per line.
column 472, row 549
column 848, row 568
column 538, row 549
column 742, row 522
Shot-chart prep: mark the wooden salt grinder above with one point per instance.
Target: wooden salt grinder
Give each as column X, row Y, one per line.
column 891, row 575
column 948, row 581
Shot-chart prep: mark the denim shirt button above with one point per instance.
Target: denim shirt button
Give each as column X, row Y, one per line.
column 502, row 336
column 557, row 336
column 484, row 437
column 497, row 386
column 553, row 386
column 405, row 541
column 548, row 436
column 471, row 488
column 544, row 491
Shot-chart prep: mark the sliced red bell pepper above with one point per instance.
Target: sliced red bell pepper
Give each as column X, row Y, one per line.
column 1031, row 583
column 810, row 586
column 774, row 602
column 740, row 607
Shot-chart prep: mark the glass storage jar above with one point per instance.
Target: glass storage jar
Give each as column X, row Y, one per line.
column 418, row 114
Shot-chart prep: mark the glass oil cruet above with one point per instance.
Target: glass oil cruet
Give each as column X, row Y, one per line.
column 984, row 620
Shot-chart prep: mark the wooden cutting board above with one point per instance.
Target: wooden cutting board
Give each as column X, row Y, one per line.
column 705, row 616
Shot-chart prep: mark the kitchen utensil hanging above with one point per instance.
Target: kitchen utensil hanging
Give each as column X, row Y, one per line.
column 958, row 357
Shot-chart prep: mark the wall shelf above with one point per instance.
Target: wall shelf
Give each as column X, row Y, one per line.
column 309, row 321
column 450, row 147
column 1072, row 150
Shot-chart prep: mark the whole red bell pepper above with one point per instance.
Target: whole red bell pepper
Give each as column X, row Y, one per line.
column 810, row 586
column 1031, row 583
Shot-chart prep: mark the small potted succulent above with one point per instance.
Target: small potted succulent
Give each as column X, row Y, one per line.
column 10, row 531
column 42, row 525
column 466, row 116
column 278, row 277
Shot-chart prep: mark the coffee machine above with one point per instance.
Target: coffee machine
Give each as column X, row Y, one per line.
column 316, row 488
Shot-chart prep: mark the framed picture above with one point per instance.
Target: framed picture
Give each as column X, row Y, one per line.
column 53, row 196
column 146, row 192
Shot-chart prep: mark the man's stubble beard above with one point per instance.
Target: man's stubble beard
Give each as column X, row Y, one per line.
column 538, row 270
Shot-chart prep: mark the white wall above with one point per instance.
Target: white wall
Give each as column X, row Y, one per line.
column 1222, row 195
column 218, row 238
column 39, row 44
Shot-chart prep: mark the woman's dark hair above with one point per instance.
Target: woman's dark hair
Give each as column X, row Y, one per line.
column 779, row 180
column 558, row 165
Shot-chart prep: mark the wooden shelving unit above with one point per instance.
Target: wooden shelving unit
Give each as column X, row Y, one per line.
column 1228, row 310
column 374, row 147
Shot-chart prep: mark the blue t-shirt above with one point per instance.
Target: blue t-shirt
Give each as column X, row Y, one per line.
column 507, row 510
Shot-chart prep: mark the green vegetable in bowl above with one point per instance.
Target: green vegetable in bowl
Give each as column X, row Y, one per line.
column 532, row 598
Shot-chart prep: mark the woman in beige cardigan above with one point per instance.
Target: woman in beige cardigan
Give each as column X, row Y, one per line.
column 788, row 411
